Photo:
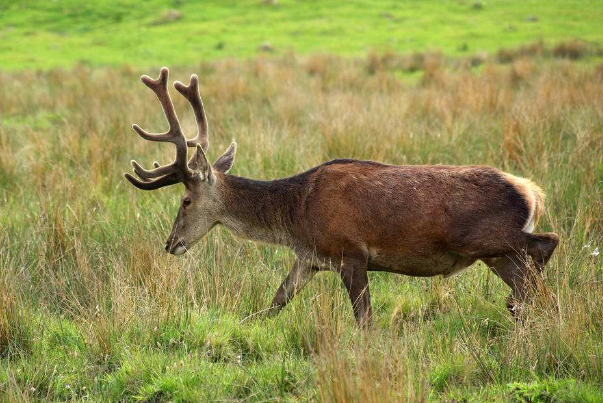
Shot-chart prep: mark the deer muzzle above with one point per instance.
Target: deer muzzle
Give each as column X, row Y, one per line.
column 175, row 247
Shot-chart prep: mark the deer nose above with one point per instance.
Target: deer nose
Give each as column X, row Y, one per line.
column 176, row 248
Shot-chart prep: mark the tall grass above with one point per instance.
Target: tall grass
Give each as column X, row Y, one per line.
column 90, row 307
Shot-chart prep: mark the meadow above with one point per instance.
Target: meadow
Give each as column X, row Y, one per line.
column 42, row 34
column 91, row 308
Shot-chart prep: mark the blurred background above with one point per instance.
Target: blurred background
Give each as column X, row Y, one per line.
column 60, row 33
column 92, row 309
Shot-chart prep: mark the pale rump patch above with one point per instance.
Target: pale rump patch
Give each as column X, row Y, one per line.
column 529, row 227
column 534, row 197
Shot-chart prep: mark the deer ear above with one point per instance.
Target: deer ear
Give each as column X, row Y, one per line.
column 199, row 165
column 224, row 163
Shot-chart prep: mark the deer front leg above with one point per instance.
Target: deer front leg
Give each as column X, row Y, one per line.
column 355, row 278
column 298, row 277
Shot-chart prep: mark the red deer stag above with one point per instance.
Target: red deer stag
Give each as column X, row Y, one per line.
column 354, row 216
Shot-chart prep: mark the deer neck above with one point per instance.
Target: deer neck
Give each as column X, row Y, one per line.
column 259, row 210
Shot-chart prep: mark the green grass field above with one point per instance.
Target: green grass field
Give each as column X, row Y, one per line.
column 92, row 309
column 45, row 34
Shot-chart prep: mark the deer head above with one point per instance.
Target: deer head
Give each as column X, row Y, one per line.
column 200, row 207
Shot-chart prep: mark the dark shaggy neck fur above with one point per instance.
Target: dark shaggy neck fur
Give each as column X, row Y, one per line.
column 269, row 211
column 262, row 210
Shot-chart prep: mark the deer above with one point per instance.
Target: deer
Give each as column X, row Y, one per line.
column 351, row 216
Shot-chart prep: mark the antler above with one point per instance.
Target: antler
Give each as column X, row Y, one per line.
column 191, row 93
column 178, row 170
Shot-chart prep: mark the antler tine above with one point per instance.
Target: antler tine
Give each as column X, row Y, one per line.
column 166, row 180
column 153, row 173
column 191, row 93
column 159, row 87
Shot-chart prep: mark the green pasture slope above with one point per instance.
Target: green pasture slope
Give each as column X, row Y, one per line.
column 59, row 33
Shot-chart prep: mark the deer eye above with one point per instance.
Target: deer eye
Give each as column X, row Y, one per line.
column 186, row 202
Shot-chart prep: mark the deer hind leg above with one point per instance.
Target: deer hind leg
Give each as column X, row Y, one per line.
column 515, row 268
column 541, row 247
column 516, row 272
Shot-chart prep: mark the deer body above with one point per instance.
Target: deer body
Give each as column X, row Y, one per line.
column 355, row 216
column 414, row 220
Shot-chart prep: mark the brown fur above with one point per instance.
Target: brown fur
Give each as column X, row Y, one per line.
column 354, row 216
column 413, row 220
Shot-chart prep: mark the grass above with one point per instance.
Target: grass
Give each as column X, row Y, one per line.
column 90, row 307
column 43, row 34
